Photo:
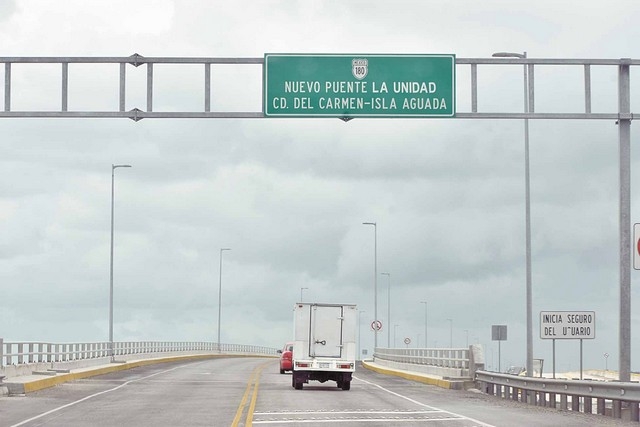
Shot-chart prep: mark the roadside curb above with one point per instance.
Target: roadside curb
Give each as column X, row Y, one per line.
column 422, row 378
column 30, row 386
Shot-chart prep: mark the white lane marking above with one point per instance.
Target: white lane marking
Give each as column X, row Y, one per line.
column 96, row 395
column 422, row 404
column 360, row 420
column 195, row 381
column 395, row 412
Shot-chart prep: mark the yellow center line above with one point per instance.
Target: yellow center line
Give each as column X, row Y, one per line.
column 254, row 380
column 254, row 398
column 243, row 402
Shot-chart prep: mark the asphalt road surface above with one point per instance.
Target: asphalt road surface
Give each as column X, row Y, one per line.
column 251, row 391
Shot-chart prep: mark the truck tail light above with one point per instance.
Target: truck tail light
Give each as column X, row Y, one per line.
column 302, row 365
column 345, row 365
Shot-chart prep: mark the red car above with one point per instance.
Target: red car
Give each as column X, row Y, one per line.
column 286, row 358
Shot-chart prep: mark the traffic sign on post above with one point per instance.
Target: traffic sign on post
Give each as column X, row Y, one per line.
column 567, row 325
column 498, row 332
column 346, row 86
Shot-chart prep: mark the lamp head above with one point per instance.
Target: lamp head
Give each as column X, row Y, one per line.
column 509, row 55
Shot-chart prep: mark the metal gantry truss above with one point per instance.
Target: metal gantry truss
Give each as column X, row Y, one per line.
column 137, row 60
column 134, row 60
column 623, row 117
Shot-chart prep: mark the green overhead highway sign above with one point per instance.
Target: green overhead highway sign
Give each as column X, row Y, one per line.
column 345, row 86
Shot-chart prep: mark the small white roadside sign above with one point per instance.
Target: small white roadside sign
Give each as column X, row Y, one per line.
column 565, row 325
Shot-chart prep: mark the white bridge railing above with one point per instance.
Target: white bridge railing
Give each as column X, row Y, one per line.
column 19, row 353
column 443, row 362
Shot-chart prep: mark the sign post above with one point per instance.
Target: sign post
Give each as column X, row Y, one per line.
column 636, row 246
column 567, row 325
column 499, row 333
column 348, row 86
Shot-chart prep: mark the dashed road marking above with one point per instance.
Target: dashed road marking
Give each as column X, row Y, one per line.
column 379, row 416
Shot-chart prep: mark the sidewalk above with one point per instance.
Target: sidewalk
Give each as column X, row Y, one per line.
column 443, row 382
column 591, row 374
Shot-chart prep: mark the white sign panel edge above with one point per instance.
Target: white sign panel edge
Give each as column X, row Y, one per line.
column 636, row 246
column 567, row 325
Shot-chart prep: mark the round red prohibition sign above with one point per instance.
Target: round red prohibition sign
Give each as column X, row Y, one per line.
column 376, row 325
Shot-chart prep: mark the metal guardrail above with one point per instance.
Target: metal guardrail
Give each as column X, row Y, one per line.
column 611, row 398
column 17, row 353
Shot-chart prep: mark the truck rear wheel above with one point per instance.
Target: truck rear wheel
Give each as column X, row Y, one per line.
column 295, row 384
column 346, row 385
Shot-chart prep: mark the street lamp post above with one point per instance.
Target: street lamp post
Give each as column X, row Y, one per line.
column 220, row 296
column 450, row 333
column 360, row 334
column 529, row 321
column 375, row 281
column 301, row 289
column 394, row 335
column 426, row 343
column 113, row 168
column 388, row 308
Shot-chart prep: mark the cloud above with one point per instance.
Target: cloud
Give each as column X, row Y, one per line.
column 7, row 8
column 289, row 195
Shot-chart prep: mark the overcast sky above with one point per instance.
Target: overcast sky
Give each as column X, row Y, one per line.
column 289, row 196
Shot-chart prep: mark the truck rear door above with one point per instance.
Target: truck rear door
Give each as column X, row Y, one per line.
column 326, row 331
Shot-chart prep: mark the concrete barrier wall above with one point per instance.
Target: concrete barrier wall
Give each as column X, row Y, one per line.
column 442, row 362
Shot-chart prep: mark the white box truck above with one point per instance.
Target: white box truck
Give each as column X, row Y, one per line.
column 324, row 347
